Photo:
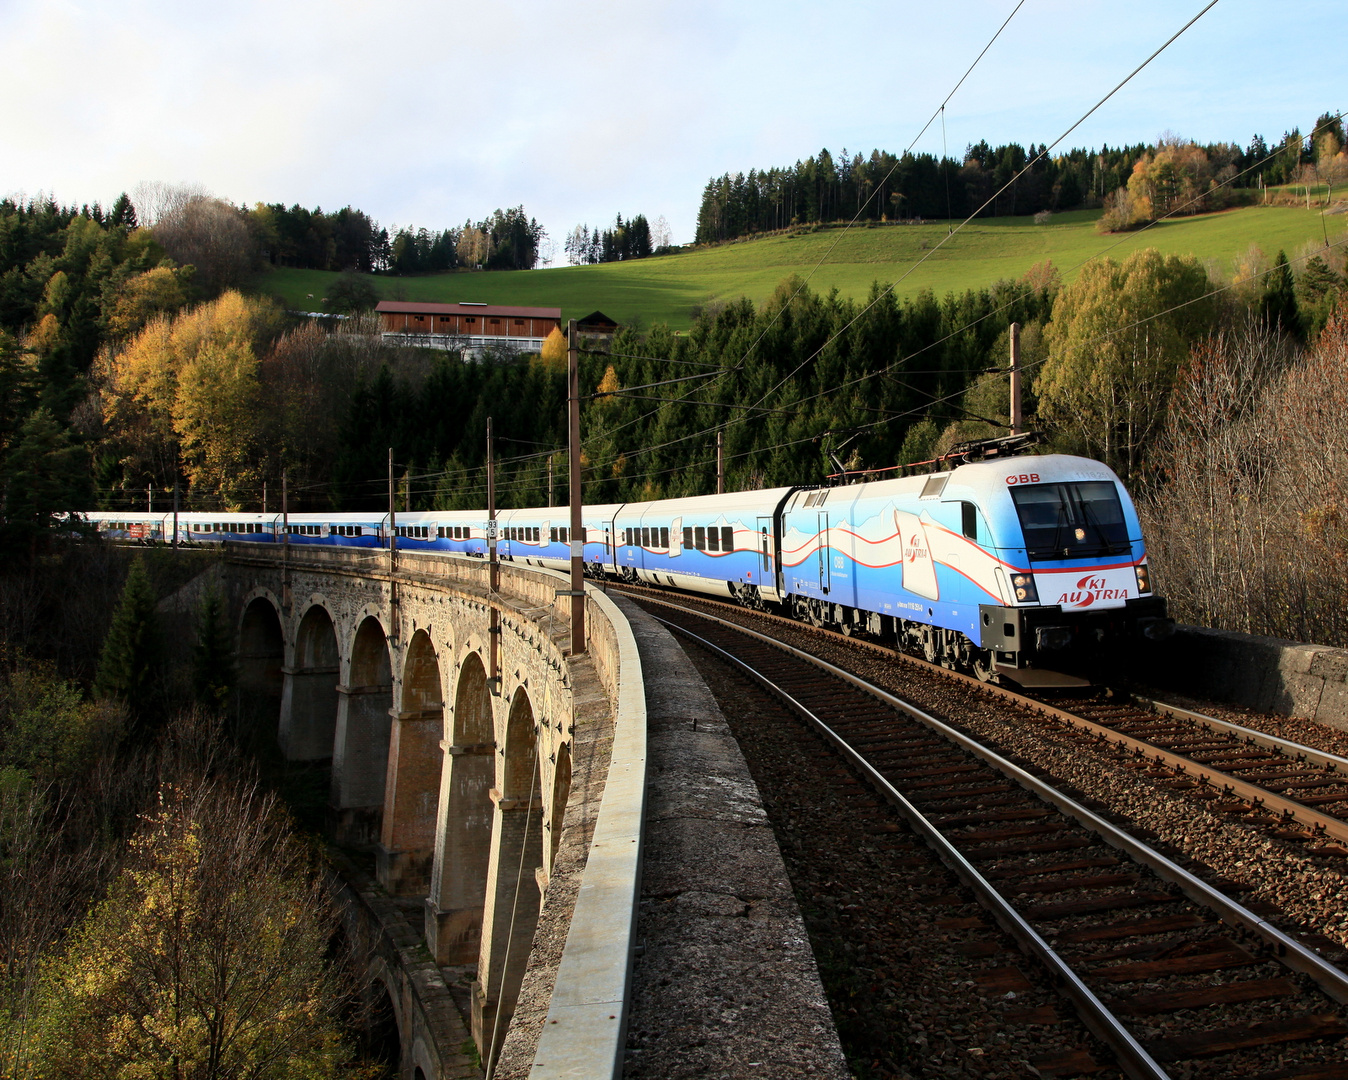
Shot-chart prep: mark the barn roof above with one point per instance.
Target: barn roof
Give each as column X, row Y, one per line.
column 405, row 307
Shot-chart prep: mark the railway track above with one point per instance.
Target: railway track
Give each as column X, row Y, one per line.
column 1174, row 974
column 1295, row 792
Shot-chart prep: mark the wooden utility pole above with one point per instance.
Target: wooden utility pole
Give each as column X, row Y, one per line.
column 392, row 519
column 1017, row 420
column 149, row 498
column 720, row 462
column 175, row 512
column 493, row 570
column 552, row 501
column 577, row 535
column 264, row 496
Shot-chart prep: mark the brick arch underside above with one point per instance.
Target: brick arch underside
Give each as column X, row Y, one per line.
column 309, row 697
column 407, row 837
column 261, row 664
column 361, row 746
column 463, row 832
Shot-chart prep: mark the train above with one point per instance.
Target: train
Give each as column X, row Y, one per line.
column 1001, row 566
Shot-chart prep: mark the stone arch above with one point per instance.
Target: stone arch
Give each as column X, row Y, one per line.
column 412, row 787
column 261, row 664
column 561, row 792
column 514, row 896
column 383, row 1032
column 309, row 703
column 361, row 747
column 463, row 829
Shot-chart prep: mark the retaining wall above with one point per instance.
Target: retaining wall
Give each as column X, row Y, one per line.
column 1261, row 673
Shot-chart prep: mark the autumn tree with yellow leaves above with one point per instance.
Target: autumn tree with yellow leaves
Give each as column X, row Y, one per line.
column 1116, row 342
column 185, row 391
column 208, row 957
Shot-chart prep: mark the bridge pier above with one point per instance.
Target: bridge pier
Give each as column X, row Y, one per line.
column 360, row 763
column 514, row 882
column 308, row 720
column 407, row 837
column 510, row 919
column 464, row 822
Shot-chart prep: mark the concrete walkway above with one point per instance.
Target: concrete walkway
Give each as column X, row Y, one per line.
column 726, row 985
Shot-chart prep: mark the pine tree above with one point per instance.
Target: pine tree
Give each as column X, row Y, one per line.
column 131, row 667
column 44, row 475
column 123, row 212
column 1280, row 300
column 212, row 655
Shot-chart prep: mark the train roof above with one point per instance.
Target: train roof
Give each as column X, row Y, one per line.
column 982, row 480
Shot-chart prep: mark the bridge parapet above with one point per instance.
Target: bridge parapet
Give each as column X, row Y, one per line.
column 476, row 787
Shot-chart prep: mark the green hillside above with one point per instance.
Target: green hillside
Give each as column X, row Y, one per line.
column 667, row 289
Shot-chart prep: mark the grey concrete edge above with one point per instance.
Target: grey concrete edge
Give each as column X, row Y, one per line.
column 585, row 1034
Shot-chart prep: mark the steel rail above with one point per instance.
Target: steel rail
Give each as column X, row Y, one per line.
column 1133, row 1058
column 1288, row 951
column 1289, row 809
column 1301, row 752
column 1260, row 796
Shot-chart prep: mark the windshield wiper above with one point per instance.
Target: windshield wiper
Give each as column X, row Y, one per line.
column 1107, row 547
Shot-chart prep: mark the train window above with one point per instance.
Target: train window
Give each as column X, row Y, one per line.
column 645, row 536
column 584, row 535
column 969, row 519
column 552, row 535
column 561, row 535
column 536, row 540
column 713, row 539
column 1071, row 520
column 700, row 538
column 727, row 538
column 934, row 486
column 688, row 536
column 664, row 538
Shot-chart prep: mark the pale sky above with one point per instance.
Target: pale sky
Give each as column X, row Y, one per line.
column 428, row 113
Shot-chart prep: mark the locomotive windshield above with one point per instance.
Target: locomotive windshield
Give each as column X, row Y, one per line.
column 1070, row 521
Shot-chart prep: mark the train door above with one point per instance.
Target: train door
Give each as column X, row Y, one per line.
column 767, row 575
column 823, row 551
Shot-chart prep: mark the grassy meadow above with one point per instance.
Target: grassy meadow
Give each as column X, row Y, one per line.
column 668, row 288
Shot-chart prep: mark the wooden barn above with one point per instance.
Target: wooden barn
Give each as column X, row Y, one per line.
column 467, row 326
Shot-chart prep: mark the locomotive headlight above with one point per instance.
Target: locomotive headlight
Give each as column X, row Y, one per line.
column 1025, row 590
column 1143, row 578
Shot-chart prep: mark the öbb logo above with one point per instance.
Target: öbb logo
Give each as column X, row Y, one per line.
column 1090, row 589
column 1024, row 478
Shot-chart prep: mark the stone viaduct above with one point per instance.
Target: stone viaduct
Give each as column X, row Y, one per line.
column 466, row 751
